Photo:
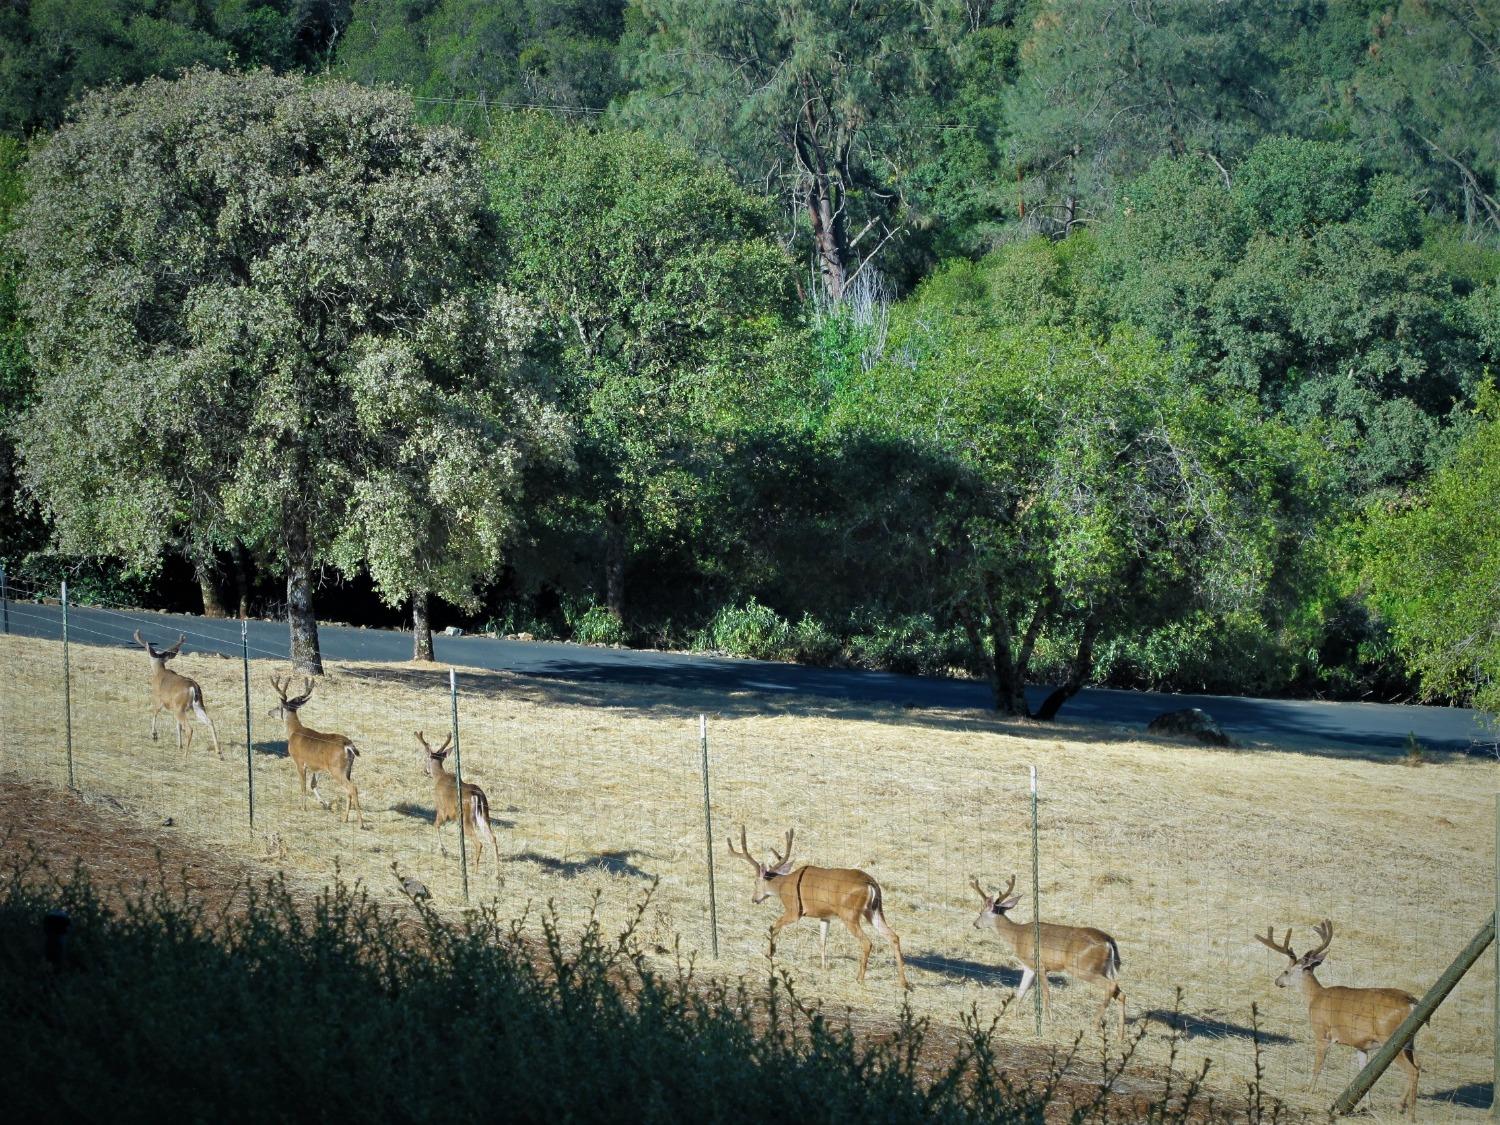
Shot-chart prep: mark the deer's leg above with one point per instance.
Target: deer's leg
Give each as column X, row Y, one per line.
column 155, row 714
column 1027, row 976
column 865, row 945
column 883, row 928
column 213, row 734
column 1046, row 990
column 1319, row 1050
column 353, row 802
column 183, row 724
column 823, row 925
column 1408, row 1060
column 1111, row 994
column 301, row 778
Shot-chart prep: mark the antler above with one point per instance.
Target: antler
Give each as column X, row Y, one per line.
column 175, row 649
column 279, row 685
column 974, row 882
column 422, row 740
column 307, row 690
column 744, row 852
column 782, row 860
column 1005, row 894
column 145, row 644
column 1325, row 931
column 1285, row 946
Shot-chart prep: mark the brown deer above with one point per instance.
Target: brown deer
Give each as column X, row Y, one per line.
column 476, row 806
column 1080, row 951
column 176, row 694
column 314, row 752
column 822, row 893
column 1362, row 1018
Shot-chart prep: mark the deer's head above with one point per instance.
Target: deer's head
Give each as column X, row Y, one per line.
column 159, row 655
column 995, row 906
column 1299, row 965
column 289, row 706
column 764, row 873
column 433, row 759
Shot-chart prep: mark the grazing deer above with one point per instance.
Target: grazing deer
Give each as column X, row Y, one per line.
column 822, row 893
column 177, row 694
column 1081, row 951
column 314, row 752
column 476, row 806
column 1362, row 1018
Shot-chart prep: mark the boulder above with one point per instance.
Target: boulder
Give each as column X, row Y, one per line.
column 1190, row 722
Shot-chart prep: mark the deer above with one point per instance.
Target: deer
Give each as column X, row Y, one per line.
column 1362, row 1018
column 1080, row 951
column 476, row 806
column 822, row 893
column 176, row 694
column 314, row 752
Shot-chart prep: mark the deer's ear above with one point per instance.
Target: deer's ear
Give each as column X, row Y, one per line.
column 1007, row 903
column 1313, row 960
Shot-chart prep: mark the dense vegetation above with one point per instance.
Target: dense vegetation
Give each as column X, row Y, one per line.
column 337, row 1007
column 1052, row 340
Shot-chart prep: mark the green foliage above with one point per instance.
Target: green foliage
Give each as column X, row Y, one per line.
column 1433, row 572
column 482, row 54
column 253, row 1009
column 240, row 336
column 56, row 50
column 593, row 624
column 751, row 630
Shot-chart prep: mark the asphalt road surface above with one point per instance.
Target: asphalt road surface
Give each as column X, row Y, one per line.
column 1372, row 727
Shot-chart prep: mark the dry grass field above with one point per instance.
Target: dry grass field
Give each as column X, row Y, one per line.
column 1182, row 853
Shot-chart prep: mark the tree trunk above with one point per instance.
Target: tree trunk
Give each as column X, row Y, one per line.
column 1078, row 673
column 306, row 657
column 240, row 560
column 208, row 584
column 421, row 627
column 614, row 565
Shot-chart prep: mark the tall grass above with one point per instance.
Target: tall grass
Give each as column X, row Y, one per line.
column 281, row 1008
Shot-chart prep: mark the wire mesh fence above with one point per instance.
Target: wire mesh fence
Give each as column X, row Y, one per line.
column 596, row 793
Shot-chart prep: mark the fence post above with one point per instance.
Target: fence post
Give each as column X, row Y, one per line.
column 708, row 836
column 458, row 782
column 249, row 738
column 1413, row 1022
column 4, row 602
column 1495, row 1074
column 67, row 687
column 1036, row 909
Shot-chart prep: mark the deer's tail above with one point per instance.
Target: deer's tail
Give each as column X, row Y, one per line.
column 197, row 698
column 1112, row 969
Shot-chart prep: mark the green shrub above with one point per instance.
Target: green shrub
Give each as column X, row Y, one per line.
column 595, row 625
column 913, row 644
column 751, row 630
column 815, row 643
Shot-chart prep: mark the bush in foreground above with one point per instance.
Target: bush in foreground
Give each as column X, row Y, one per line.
column 280, row 1009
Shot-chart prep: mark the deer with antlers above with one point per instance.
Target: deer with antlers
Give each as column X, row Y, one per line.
column 476, row 806
column 176, row 694
column 822, row 893
column 1080, row 951
column 314, row 752
column 1362, row 1018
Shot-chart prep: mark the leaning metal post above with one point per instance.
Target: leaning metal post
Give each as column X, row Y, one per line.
column 67, row 687
column 1036, row 910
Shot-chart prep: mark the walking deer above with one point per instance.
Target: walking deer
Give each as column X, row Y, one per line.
column 822, row 893
column 175, row 693
column 1362, row 1018
column 314, row 752
column 476, row 806
column 1080, row 951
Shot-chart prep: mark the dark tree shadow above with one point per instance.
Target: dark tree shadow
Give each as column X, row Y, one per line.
column 1471, row 1095
column 965, row 969
column 272, row 749
column 613, row 863
column 1194, row 1027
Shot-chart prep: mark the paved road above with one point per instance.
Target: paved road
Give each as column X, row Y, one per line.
column 1372, row 727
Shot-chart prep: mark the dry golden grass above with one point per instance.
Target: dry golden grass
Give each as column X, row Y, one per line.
column 1182, row 853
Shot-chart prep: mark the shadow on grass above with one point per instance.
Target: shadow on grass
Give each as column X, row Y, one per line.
column 1471, row 1095
column 429, row 814
column 272, row 749
column 965, row 969
column 613, row 863
column 1193, row 1027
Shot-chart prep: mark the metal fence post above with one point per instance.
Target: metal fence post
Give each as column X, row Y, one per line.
column 249, row 738
column 1495, row 1074
column 708, row 837
column 1036, row 909
column 4, row 602
column 458, row 782
column 67, row 687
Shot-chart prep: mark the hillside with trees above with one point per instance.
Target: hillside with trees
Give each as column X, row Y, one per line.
column 1055, row 341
